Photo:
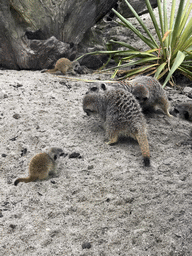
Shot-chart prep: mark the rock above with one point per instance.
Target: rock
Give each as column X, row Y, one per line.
column 138, row 5
column 12, row 226
column 64, row 154
column 92, row 61
column 75, row 155
column 23, row 151
column 47, row 52
column 16, row 116
column 86, row 245
column 14, row 138
column 187, row 90
column 90, row 167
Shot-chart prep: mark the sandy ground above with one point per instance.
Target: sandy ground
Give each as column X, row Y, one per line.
column 103, row 203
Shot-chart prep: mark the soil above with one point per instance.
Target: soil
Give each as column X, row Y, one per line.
column 102, row 201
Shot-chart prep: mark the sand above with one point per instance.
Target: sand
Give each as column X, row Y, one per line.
column 105, row 202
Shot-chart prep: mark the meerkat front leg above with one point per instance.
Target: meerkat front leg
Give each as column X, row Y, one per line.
column 164, row 104
column 112, row 135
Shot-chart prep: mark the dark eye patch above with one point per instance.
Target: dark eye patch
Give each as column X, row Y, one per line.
column 186, row 115
column 145, row 99
column 90, row 112
column 103, row 86
column 94, row 89
column 55, row 157
column 176, row 111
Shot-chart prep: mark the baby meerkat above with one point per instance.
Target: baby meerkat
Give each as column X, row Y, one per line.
column 122, row 116
column 41, row 165
column 149, row 92
column 64, row 65
column 184, row 111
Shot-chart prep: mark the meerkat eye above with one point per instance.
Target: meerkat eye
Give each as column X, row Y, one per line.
column 186, row 115
column 94, row 89
column 55, row 157
column 103, row 86
column 138, row 98
column 145, row 98
column 176, row 111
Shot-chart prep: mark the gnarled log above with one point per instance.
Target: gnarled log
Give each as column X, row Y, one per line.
column 26, row 27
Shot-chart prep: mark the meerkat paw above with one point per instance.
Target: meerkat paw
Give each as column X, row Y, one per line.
column 146, row 161
column 169, row 115
column 112, row 141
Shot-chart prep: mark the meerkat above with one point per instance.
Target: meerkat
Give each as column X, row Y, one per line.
column 122, row 116
column 184, row 111
column 41, row 165
column 64, row 65
column 149, row 92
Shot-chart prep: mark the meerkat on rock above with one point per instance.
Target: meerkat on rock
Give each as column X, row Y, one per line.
column 41, row 165
column 64, row 65
column 122, row 116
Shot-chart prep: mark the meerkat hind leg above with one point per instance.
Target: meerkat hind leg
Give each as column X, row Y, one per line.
column 144, row 146
column 43, row 176
column 64, row 71
column 53, row 172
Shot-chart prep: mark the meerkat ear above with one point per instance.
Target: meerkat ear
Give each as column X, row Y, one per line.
column 55, row 157
column 103, row 86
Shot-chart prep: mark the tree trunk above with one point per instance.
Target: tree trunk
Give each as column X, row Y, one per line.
column 34, row 34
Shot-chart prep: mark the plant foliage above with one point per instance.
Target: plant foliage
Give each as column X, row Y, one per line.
column 172, row 51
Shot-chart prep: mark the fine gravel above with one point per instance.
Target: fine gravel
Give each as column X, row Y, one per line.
column 102, row 201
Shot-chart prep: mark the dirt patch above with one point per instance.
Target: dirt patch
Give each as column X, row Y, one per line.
column 104, row 202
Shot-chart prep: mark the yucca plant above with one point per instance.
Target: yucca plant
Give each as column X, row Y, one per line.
column 172, row 51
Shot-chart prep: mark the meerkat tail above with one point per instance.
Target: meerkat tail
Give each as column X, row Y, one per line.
column 53, row 70
column 144, row 145
column 48, row 70
column 26, row 180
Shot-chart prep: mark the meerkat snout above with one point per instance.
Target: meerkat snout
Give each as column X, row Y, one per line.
column 41, row 165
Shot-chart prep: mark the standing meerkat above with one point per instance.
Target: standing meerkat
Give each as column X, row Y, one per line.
column 41, row 165
column 64, row 65
column 149, row 92
column 122, row 116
